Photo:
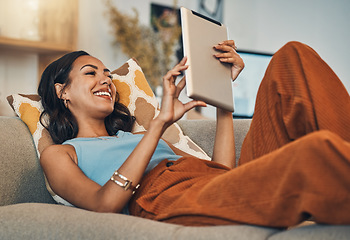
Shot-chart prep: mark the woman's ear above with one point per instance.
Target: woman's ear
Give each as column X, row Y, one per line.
column 59, row 87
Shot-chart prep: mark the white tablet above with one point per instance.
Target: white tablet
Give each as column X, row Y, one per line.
column 207, row 79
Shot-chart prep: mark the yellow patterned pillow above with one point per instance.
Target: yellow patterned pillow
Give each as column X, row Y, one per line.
column 29, row 108
column 137, row 95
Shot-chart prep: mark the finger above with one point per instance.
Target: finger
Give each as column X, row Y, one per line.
column 171, row 76
column 225, row 48
column 228, row 42
column 226, row 55
column 177, row 69
column 180, row 86
column 194, row 103
column 183, row 61
column 226, row 60
column 234, row 60
column 181, row 67
column 174, row 73
column 230, row 59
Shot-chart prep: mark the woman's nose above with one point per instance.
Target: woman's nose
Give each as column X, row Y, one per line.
column 106, row 80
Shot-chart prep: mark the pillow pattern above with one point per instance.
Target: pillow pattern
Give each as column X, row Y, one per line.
column 29, row 108
column 134, row 92
column 137, row 95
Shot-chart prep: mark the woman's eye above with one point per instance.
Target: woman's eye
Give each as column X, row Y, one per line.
column 91, row 73
column 110, row 76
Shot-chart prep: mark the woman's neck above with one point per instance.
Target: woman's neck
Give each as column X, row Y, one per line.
column 92, row 128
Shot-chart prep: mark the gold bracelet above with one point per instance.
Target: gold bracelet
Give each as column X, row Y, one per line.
column 127, row 183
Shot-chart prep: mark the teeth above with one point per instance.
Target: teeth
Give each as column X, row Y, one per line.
column 102, row 94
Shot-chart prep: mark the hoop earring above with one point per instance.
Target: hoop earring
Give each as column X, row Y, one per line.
column 65, row 102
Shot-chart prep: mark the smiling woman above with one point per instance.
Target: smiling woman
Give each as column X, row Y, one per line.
column 56, row 85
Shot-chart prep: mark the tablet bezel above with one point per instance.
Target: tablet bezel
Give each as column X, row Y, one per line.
column 207, row 79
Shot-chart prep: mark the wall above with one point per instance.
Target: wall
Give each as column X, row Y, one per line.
column 18, row 74
column 267, row 25
column 254, row 24
column 95, row 33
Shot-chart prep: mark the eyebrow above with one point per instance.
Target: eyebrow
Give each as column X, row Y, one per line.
column 95, row 67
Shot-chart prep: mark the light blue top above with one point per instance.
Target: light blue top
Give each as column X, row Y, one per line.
column 98, row 158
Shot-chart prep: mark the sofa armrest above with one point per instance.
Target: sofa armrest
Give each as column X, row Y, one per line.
column 21, row 177
column 202, row 132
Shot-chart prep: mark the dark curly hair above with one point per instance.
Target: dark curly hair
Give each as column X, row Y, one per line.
column 62, row 125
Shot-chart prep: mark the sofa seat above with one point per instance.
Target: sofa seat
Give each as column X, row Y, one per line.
column 52, row 221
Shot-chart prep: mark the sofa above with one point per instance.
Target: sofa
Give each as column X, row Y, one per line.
column 27, row 210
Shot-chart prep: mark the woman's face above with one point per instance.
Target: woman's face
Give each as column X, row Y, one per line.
column 91, row 92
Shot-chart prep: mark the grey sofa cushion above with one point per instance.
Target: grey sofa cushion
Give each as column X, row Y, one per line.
column 21, row 178
column 47, row 221
column 315, row 232
column 202, row 132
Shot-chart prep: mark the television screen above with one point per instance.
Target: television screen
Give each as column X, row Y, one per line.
column 246, row 85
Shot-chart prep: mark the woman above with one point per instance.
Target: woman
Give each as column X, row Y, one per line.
column 294, row 162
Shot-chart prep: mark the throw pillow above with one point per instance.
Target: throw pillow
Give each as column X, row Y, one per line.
column 137, row 95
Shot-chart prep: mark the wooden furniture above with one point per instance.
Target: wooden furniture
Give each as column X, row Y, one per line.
column 58, row 23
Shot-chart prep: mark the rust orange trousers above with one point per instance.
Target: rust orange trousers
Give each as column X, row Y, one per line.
column 295, row 160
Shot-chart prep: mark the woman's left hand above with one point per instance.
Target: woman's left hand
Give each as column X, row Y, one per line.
column 228, row 54
column 172, row 109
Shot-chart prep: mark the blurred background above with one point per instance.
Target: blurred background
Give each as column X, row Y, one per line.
column 35, row 32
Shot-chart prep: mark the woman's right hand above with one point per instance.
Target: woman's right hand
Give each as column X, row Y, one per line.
column 172, row 109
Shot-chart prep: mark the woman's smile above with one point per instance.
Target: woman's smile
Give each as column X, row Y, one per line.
column 107, row 94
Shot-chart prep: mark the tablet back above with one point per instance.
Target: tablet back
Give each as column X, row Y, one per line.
column 207, row 79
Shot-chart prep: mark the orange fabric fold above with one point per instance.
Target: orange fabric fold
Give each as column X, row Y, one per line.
column 295, row 160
